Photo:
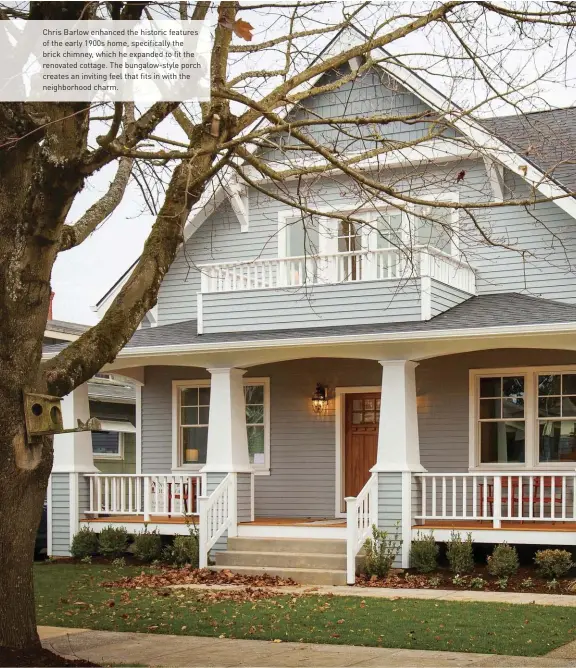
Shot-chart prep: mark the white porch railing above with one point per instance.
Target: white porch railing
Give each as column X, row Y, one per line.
column 497, row 497
column 385, row 263
column 147, row 495
column 218, row 514
column 361, row 515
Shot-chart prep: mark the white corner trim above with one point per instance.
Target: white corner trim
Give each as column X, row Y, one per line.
column 406, row 515
column 74, row 510
column 49, row 550
column 138, row 429
column 426, row 298
column 199, row 313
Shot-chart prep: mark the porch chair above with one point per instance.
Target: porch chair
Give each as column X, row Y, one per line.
column 541, row 491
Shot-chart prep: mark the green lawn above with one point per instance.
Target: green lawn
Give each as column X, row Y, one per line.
column 69, row 595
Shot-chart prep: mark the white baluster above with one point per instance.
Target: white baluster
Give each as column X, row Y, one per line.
column 497, row 508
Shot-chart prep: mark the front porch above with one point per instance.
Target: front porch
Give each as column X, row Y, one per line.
column 393, row 446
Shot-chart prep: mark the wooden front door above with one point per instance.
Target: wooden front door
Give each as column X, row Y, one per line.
column 361, row 440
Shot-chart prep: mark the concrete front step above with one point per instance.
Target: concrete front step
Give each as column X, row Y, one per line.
column 312, row 576
column 330, row 562
column 292, row 545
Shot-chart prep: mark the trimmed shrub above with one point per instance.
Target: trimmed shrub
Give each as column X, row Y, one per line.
column 459, row 553
column 184, row 550
column 424, row 553
column 503, row 562
column 148, row 546
column 380, row 552
column 113, row 541
column 553, row 564
column 84, row 543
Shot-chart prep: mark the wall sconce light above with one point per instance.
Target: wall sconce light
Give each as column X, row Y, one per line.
column 319, row 399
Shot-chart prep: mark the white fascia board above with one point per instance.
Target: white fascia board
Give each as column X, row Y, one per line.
column 376, row 337
column 490, row 145
column 101, row 308
column 62, row 336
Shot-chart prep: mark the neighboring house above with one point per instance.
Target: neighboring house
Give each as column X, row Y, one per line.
column 110, row 399
column 307, row 399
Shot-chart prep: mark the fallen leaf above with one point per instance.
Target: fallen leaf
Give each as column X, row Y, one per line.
column 243, row 30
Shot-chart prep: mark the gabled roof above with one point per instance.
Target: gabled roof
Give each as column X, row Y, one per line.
column 485, row 311
column 547, row 138
column 500, row 138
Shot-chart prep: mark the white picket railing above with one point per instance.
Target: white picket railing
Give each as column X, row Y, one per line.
column 497, row 496
column 218, row 513
column 448, row 270
column 361, row 515
column 385, row 263
column 147, row 495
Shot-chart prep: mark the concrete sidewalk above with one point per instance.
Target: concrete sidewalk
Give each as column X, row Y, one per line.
column 517, row 598
column 107, row 647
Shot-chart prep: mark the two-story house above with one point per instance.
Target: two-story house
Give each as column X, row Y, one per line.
column 299, row 383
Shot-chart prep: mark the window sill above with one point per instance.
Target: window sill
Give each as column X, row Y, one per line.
column 522, row 468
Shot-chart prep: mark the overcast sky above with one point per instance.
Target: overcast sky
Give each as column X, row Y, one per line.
column 82, row 275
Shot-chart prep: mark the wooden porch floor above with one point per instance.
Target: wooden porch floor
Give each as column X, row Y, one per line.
column 506, row 525
column 139, row 519
column 298, row 521
column 260, row 521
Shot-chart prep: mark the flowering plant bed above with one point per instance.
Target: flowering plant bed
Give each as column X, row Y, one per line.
column 479, row 580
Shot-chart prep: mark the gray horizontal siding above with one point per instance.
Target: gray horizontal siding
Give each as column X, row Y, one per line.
column 302, row 480
column 390, row 508
column 60, row 514
column 350, row 303
column 244, row 495
column 443, row 390
column 444, row 297
column 157, row 414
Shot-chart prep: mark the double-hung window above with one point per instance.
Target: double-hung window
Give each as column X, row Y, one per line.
column 557, row 417
column 191, row 415
column 523, row 418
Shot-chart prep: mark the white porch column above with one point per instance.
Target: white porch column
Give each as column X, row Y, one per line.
column 398, row 455
column 398, row 444
column 227, row 450
column 73, row 452
column 68, row 493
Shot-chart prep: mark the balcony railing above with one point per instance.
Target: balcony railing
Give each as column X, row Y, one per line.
column 146, row 495
column 351, row 267
column 497, row 497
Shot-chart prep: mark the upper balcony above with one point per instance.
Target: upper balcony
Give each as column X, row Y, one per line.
column 358, row 287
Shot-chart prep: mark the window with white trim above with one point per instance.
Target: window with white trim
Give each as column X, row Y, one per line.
column 108, row 444
column 193, row 411
column 501, row 421
column 557, row 417
column 523, row 417
column 386, row 227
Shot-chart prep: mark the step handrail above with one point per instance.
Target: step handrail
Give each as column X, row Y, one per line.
column 218, row 514
column 361, row 516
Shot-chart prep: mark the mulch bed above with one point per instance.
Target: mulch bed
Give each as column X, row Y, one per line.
column 443, row 579
column 37, row 657
column 186, row 575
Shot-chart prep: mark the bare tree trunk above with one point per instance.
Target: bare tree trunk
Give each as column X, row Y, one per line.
column 22, row 494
